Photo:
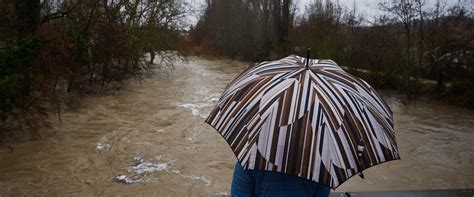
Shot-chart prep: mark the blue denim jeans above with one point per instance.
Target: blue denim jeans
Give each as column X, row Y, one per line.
column 263, row 183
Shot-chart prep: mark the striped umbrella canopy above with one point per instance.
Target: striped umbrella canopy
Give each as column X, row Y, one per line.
column 316, row 121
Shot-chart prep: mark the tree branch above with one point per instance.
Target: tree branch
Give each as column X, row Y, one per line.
column 55, row 15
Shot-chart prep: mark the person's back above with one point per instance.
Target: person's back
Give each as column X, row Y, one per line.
column 263, row 183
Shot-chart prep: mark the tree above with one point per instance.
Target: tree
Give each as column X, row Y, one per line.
column 285, row 25
column 421, row 39
column 405, row 12
column 55, row 51
column 28, row 17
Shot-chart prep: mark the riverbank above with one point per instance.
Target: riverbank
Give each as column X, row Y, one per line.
column 454, row 93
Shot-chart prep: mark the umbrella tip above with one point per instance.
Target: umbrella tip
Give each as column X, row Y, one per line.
column 307, row 57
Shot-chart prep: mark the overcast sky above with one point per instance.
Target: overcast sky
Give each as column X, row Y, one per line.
column 367, row 8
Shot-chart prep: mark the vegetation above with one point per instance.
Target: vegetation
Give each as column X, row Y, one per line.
column 249, row 30
column 52, row 52
column 415, row 48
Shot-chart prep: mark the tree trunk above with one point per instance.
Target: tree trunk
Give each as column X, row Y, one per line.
column 266, row 33
column 28, row 17
column 422, row 39
column 276, row 18
column 152, row 56
column 408, row 58
column 285, row 25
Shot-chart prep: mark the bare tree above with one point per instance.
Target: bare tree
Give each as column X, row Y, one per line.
column 285, row 25
column 421, row 40
column 405, row 12
column 56, row 50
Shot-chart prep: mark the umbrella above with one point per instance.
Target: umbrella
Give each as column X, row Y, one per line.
column 305, row 117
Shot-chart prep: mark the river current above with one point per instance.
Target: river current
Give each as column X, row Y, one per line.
column 150, row 139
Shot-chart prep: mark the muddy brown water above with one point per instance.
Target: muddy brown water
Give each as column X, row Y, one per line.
column 152, row 134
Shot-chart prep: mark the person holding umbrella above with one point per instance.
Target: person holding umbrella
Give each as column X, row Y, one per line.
column 300, row 126
column 248, row 183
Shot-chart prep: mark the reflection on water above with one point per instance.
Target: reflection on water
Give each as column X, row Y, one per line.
column 150, row 139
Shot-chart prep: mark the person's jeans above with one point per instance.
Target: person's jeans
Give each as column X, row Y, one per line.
column 263, row 183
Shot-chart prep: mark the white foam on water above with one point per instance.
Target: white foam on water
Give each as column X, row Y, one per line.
column 221, row 194
column 148, row 167
column 127, row 180
column 193, row 177
column 193, row 107
column 214, row 99
column 141, row 169
column 206, row 99
column 137, row 160
column 102, row 146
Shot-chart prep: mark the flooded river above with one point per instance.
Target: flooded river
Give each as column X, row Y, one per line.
column 150, row 139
